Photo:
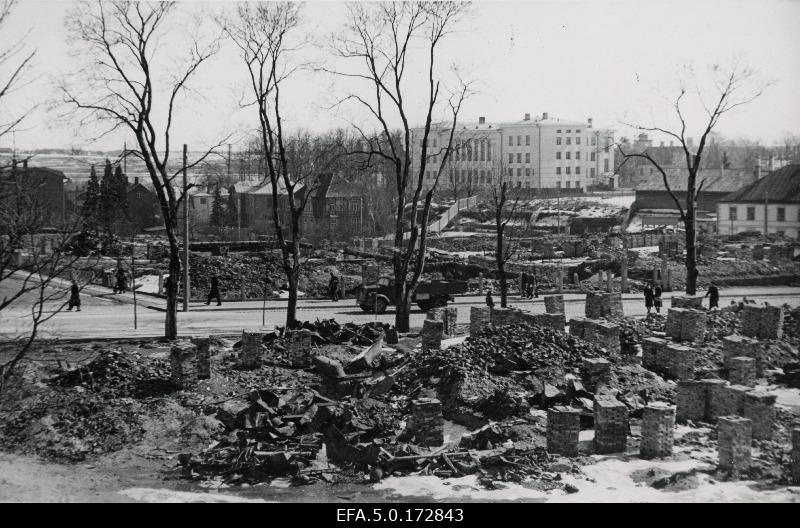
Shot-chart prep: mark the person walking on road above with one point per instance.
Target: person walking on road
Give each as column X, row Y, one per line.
column 121, row 286
column 489, row 300
column 214, row 293
column 333, row 286
column 74, row 297
column 648, row 298
column 713, row 296
column 657, row 298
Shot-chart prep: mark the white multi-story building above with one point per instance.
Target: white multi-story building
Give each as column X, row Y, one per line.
column 539, row 153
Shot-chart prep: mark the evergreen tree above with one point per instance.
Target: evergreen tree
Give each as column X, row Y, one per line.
column 121, row 193
column 231, row 208
column 91, row 205
column 108, row 201
column 217, row 213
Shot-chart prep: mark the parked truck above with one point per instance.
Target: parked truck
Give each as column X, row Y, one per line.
column 428, row 294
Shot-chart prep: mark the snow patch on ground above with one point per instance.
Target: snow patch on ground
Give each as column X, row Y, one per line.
column 148, row 283
column 171, row 496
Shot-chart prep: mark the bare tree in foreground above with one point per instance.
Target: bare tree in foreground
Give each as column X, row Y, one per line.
column 123, row 84
column 266, row 35
column 734, row 87
column 380, row 39
column 14, row 63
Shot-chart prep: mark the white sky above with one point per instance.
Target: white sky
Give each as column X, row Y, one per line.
column 613, row 60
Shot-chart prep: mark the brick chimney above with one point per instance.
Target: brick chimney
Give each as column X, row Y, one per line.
column 527, row 117
column 544, row 116
column 136, row 180
column 481, row 120
column 590, row 122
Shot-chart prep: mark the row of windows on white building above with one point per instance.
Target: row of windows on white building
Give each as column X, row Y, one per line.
column 733, row 213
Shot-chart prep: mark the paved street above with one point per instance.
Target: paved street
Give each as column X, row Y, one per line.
column 105, row 315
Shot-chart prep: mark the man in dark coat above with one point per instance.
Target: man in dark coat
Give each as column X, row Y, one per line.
column 74, row 297
column 648, row 298
column 657, row 298
column 489, row 300
column 333, row 286
column 121, row 286
column 713, row 296
column 214, row 293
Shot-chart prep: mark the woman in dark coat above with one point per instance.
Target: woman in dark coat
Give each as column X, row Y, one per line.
column 648, row 298
column 657, row 299
column 74, row 297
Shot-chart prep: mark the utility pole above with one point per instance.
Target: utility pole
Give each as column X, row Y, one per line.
column 133, row 289
column 185, row 235
column 766, row 214
column 125, row 158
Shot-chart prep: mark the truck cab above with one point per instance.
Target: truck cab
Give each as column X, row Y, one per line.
column 428, row 294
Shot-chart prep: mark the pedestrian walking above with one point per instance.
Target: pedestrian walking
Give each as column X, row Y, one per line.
column 713, row 296
column 657, row 298
column 489, row 300
column 523, row 288
column 648, row 298
column 74, row 297
column 214, row 292
column 121, row 283
column 333, row 286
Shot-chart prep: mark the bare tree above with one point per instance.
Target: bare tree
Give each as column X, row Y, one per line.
column 15, row 62
column 734, row 87
column 379, row 38
column 124, row 85
column 266, row 36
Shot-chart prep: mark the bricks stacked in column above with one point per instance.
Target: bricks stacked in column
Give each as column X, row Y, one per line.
column 605, row 335
column 738, row 346
column 183, row 366
column 610, row 426
column 603, row 305
column 684, row 324
column 563, row 429
column 734, row 435
column 479, row 318
column 427, row 421
column 252, row 352
column 554, row 304
column 595, row 372
column 742, row 371
column 680, row 361
column 301, row 343
column 658, row 426
column 691, row 400
column 203, row 351
column 759, row 408
column 432, row 332
column 763, row 322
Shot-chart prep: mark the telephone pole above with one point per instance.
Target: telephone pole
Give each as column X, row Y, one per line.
column 185, row 235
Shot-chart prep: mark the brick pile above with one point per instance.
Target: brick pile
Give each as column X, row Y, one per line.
column 610, row 426
column 479, row 318
column 577, row 326
column 563, row 429
column 505, row 316
column 658, row 428
column 795, row 467
column 738, row 346
column 691, row 399
column 763, row 322
column 203, row 350
column 427, row 422
column 599, row 304
column 603, row 334
column 687, row 301
column 252, row 351
column 183, row 366
column 595, row 373
column 301, row 345
column 652, row 354
column 724, row 400
column 693, row 325
column 759, row 408
column 673, row 325
column 554, row 304
column 680, row 361
column 742, row 371
column 556, row 321
column 734, row 435
column 450, row 318
column 432, row 332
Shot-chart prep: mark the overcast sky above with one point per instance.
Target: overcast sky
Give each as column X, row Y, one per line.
column 614, row 61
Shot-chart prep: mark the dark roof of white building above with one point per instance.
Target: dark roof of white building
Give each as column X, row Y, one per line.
column 782, row 185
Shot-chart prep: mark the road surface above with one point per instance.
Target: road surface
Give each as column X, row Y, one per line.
column 106, row 315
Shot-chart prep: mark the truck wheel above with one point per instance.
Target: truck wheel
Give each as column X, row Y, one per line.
column 367, row 308
column 380, row 306
column 425, row 306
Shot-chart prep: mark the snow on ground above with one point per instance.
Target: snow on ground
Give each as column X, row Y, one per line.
column 646, row 249
column 171, row 496
column 285, row 294
column 148, row 283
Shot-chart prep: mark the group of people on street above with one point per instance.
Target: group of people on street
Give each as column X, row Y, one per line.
column 652, row 297
column 529, row 288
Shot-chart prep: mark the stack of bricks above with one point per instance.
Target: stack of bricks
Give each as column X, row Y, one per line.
column 691, row 400
column 759, row 408
column 610, row 426
column 680, row 361
column 738, row 346
column 432, row 332
column 693, row 325
column 427, row 422
column 450, row 318
column 183, row 366
column 479, row 318
column 795, row 468
column 203, row 350
column 658, row 427
column 605, row 335
column 750, row 318
column 554, row 304
column 577, row 327
column 771, row 326
column 674, row 322
column 504, row 316
column 436, row 314
column 595, row 373
column 652, row 354
column 556, row 321
column 252, row 352
column 301, row 344
column 563, row 429
column 687, row 301
column 724, row 400
column 603, row 305
column 734, row 435
column 742, row 371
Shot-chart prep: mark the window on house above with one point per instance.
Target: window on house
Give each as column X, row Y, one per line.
column 519, row 141
column 558, row 140
column 558, row 131
column 605, row 165
column 567, row 184
column 751, row 213
column 527, row 173
column 558, row 170
column 577, row 184
column 519, row 157
column 569, row 131
column 558, row 185
column 568, row 170
column 578, row 155
column 569, row 141
column 577, row 170
column 489, row 176
column 510, row 141
column 483, row 150
column 594, row 141
column 591, row 172
column 781, row 214
column 203, row 201
column 569, row 155
column 527, row 157
column 519, row 173
column 510, row 173
column 592, row 156
column 527, row 185
column 732, row 212
column 577, row 131
column 558, row 155
column 489, row 151
column 510, row 158
column 578, row 140
column 527, row 140
column 482, row 176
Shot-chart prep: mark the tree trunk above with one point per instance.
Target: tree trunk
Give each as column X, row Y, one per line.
column 691, row 250
column 291, row 308
column 501, row 270
column 402, row 314
column 171, row 320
